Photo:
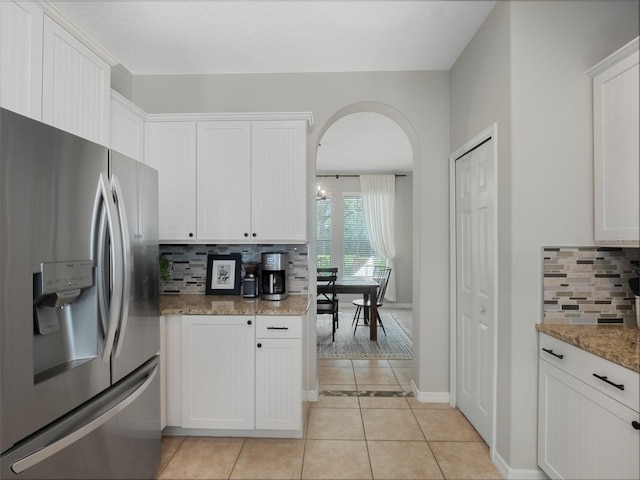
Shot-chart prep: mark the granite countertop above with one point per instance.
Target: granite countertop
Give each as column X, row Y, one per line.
column 232, row 305
column 616, row 343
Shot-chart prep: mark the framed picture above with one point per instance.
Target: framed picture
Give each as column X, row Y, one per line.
column 223, row 274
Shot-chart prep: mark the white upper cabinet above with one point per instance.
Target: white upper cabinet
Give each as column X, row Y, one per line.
column 76, row 85
column 279, row 181
column 239, row 180
column 224, row 180
column 127, row 127
column 171, row 149
column 21, row 58
column 616, row 154
column 47, row 74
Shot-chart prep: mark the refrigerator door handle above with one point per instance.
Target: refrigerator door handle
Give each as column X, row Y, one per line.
column 126, row 262
column 104, row 199
column 62, row 443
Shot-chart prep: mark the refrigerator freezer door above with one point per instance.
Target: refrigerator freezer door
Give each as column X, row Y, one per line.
column 115, row 435
column 139, row 340
column 48, row 181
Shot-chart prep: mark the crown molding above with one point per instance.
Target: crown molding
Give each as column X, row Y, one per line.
column 615, row 57
column 72, row 28
column 247, row 116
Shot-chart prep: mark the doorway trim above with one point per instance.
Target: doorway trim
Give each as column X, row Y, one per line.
column 489, row 133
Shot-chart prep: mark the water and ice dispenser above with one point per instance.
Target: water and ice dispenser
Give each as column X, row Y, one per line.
column 64, row 314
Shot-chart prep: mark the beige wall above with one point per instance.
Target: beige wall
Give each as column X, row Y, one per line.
column 536, row 90
column 417, row 101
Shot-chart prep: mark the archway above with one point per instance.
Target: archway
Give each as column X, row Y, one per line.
column 405, row 126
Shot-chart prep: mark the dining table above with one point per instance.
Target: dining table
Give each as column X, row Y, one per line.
column 366, row 286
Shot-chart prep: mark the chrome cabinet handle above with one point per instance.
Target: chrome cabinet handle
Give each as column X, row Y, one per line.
column 619, row 386
column 551, row 352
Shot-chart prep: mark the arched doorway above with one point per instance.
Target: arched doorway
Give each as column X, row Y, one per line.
column 351, row 119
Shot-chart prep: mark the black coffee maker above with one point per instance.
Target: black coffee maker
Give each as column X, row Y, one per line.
column 274, row 276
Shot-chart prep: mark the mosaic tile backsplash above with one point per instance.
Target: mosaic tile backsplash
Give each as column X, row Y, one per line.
column 589, row 284
column 189, row 265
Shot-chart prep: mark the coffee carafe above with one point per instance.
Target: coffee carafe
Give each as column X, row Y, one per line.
column 274, row 276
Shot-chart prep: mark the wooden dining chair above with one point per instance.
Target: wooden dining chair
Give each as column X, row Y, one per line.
column 380, row 275
column 327, row 300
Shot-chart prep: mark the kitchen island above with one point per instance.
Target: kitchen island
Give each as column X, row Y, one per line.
column 295, row 305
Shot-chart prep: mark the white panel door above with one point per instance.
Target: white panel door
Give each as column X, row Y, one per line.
column 279, row 181
column 21, row 58
column 218, row 354
column 583, row 433
column 76, row 85
column 224, row 181
column 171, row 149
column 278, row 384
column 475, row 287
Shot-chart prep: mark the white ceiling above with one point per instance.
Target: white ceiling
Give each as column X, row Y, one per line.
column 271, row 36
column 364, row 142
column 280, row 36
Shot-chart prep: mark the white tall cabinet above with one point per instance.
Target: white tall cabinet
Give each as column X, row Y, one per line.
column 616, row 103
column 244, row 177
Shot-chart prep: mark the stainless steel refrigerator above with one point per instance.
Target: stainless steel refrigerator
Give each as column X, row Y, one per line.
column 79, row 308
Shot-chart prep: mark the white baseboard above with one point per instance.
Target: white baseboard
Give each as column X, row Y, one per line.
column 429, row 397
column 310, row 396
column 516, row 474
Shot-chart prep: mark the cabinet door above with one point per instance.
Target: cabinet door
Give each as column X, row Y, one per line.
column 171, row 149
column 278, row 384
column 616, row 153
column 218, row 371
column 583, row 433
column 21, row 58
column 127, row 128
column 224, row 181
column 76, row 85
column 279, row 181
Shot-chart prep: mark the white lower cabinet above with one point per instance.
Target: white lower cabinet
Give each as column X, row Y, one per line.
column 234, row 373
column 583, row 431
column 278, row 373
column 218, row 361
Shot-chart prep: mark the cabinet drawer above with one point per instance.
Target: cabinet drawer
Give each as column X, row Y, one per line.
column 585, row 366
column 278, row 327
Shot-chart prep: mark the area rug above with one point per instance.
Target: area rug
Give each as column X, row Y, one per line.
column 395, row 344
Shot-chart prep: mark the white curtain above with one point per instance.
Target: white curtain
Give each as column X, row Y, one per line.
column 378, row 201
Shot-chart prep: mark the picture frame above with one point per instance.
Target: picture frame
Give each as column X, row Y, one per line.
column 223, row 274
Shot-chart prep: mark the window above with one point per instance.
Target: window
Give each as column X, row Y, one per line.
column 359, row 256
column 323, row 232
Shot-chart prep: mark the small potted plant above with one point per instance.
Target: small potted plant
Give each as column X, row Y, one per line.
column 165, row 268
